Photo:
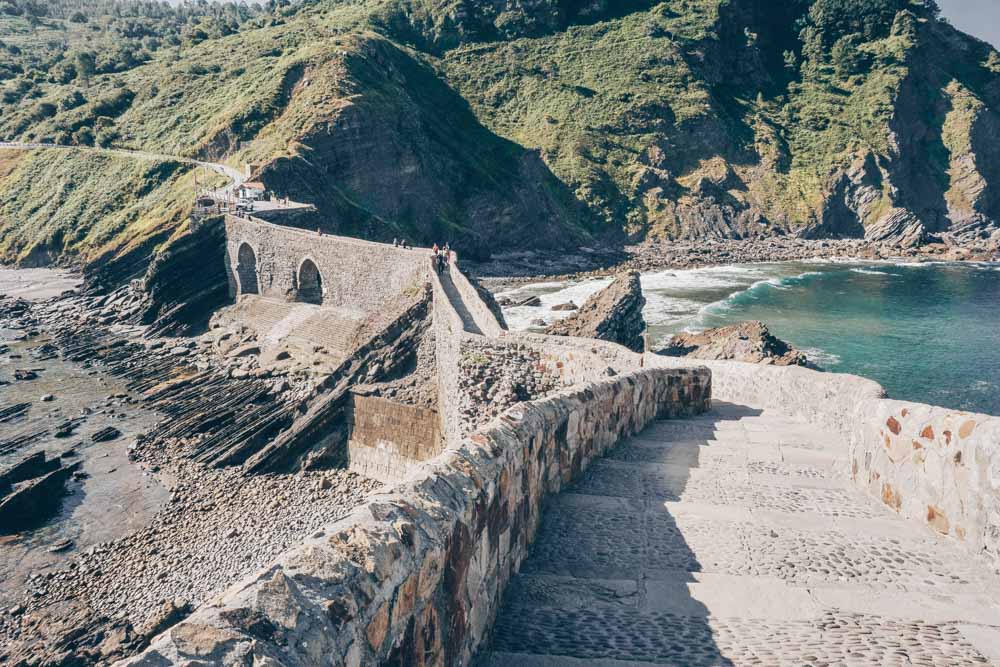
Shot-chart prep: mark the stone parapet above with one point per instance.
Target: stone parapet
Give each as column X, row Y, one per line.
column 416, row 575
column 485, row 319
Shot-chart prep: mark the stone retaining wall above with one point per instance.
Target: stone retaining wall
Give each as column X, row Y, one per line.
column 355, row 274
column 387, row 439
column 448, row 334
column 936, row 466
column 415, row 577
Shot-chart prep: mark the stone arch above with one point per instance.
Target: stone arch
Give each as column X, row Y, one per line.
column 246, row 270
column 309, row 282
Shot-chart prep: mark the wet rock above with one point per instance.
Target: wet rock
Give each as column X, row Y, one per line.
column 34, row 502
column 749, row 342
column 566, row 306
column 48, row 398
column 613, row 314
column 30, row 467
column 25, row 374
column 106, row 434
column 60, row 546
column 531, row 301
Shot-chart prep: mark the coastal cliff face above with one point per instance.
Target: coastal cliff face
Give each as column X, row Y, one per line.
column 544, row 124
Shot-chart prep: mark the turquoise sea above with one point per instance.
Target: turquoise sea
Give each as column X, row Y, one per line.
column 927, row 332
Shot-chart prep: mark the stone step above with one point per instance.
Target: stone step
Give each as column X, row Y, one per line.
column 734, row 539
column 301, row 324
column 662, row 638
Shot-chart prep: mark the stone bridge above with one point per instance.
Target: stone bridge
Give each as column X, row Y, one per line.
column 291, row 264
column 638, row 512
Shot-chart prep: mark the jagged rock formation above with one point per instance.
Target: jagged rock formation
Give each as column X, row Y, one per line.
column 749, row 342
column 613, row 314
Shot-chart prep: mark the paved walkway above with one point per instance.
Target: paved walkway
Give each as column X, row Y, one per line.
column 468, row 321
column 731, row 539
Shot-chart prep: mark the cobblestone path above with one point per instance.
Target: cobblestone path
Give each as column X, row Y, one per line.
column 734, row 539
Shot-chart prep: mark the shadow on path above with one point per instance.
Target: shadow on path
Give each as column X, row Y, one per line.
column 607, row 578
column 458, row 304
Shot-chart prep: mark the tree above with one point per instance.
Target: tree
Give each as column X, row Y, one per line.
column 791, row 60
column 86, row 65
column 847, row 55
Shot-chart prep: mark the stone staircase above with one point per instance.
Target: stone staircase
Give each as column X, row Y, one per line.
column 733, row 539
column 301, row 324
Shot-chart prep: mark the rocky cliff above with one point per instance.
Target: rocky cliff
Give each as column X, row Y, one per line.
column 545, row 124
column 613, row 314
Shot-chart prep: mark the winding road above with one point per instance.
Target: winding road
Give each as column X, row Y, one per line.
column 236, row 177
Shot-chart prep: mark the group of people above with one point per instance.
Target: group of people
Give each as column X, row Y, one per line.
column 440, row 257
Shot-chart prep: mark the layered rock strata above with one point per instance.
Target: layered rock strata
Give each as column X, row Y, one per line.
column 614, row 314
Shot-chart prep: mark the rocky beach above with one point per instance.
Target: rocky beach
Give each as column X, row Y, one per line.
column 525, row 267
column 133, row 531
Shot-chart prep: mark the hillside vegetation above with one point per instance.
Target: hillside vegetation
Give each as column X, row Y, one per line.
column 507, row 125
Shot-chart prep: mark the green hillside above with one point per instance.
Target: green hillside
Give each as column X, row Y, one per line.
column 499, row 125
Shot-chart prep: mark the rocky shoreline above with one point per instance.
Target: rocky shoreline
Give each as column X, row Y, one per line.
column 520, row 268
column 103, row 602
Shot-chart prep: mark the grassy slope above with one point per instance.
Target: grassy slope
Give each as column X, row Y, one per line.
column 91, row 206
column 631, row 114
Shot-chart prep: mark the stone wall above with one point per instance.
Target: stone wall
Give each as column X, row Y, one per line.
column 415, row 577
column 355, row 274
column 485, row 319
column 938, row 467
column 387, row 439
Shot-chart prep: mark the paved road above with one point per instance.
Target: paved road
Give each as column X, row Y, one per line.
column 731, row 539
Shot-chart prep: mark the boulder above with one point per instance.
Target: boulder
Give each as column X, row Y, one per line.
column 566, row 306
column 613, row 314
column 749, row 342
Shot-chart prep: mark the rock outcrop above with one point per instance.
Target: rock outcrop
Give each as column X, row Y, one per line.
column 749, row 342
column 613, row 314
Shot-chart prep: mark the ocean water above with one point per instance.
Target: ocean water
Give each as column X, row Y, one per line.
column 927, row 332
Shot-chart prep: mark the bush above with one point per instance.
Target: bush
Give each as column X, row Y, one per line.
column 114, row 105
column 72, row 101
column 45, row 110
column 84, row 137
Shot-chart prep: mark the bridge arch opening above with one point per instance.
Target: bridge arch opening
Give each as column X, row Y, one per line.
column 310, row 283
column 246, row 270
